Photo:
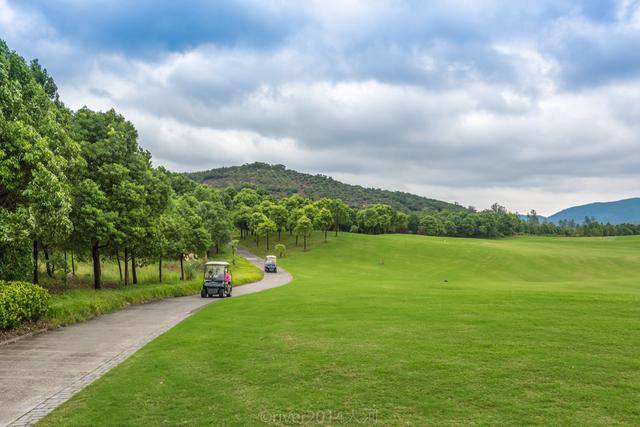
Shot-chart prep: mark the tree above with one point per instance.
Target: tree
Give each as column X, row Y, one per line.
column 121, row 171
column 294, row 217
column 264, row 228
column 304, row 228
column 158, row 242
column 310, row 211
column 375, row 219
column 400, row 222
column 234, row 249
column 339, row 212
column 246, row 197
column 499, row 209
column 431, row 225
column 294, row 202
column 413, row 222
column 281, row 249
column 49, row 206
column 213, row 213
column 255, row 220
column 184, row 229
column 195, row 236
column 280, row 216
column 34, row 147
column 242, row 219
column 323, row 221
column 93, row 222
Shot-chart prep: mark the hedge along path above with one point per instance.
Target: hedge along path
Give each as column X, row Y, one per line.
column 39, row 373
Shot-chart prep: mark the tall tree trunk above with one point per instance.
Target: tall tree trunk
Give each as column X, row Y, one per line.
column 296, row 240
column 325, row 235
column 45, row 249
column 73, row 265
column 126, row 266
column 257, row 240
column 160, row 269
column 66, row 269
column 217, row 248
column 267, row 241
column 97, row 271
column 134, row 272
column 119, row 265
column 336, row 226
column 36, row 272
column 279, row 234
column 181, row 266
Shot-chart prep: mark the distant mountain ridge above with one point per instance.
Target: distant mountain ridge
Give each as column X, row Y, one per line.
column 282, row 182
column 618, row 212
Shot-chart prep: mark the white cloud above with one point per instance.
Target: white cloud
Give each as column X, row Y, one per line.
column 405, row 96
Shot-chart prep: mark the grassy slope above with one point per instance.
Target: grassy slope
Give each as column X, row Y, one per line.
column 525, row 330
column 78, row 304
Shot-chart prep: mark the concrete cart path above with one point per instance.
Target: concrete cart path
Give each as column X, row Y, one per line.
column 39, row 373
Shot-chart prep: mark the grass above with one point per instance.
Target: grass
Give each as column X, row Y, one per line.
column 401, row 330
column 77, row 301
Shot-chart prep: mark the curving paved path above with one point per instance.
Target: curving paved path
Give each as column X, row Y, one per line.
column 39, row 373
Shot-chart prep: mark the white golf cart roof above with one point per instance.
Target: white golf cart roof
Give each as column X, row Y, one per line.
column 221, row 263
column 271, row 257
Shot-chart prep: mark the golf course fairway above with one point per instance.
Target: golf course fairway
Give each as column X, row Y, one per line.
column 400, row 329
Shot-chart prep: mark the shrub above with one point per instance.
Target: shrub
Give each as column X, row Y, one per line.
column 192, row 268
column 21, row 302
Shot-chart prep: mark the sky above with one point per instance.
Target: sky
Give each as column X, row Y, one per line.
column 534, row 105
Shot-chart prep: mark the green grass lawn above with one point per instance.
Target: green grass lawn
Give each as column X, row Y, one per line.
column 401, row 330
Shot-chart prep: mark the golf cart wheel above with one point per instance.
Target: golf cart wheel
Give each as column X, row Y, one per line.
column 203, row 294
column 221, row 293
column 229, row 293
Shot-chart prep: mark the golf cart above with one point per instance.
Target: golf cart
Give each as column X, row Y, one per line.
column 217, row 280
column 270, row 264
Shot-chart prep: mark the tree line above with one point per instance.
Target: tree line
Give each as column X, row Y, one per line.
column 497, row 222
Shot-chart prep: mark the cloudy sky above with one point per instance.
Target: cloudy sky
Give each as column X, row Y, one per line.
column 533, row 104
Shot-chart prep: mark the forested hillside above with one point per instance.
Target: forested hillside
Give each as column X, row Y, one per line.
column 282, row 182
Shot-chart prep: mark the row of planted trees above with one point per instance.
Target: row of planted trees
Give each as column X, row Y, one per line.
column 78, row 182
column 259, row 215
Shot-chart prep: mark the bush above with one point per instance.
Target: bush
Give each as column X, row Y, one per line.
column 192, row 268
column 21, row 302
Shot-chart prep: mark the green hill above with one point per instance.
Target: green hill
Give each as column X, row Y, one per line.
column 283, row 182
